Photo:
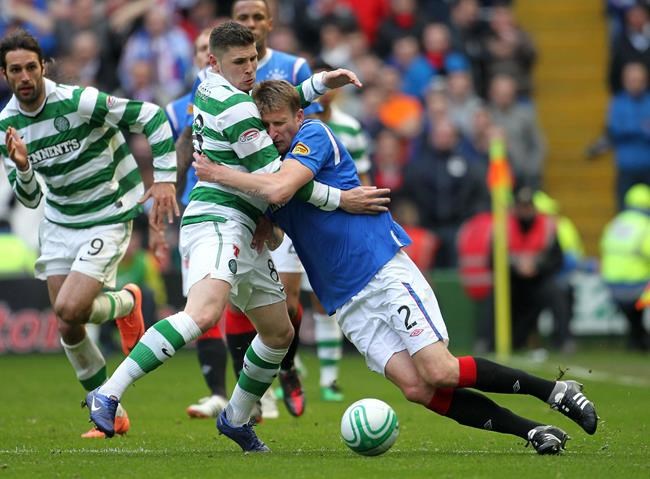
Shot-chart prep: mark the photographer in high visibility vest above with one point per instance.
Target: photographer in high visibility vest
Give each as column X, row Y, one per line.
column 625, row 262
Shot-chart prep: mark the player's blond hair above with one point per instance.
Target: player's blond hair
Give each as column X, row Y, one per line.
column 274, row 95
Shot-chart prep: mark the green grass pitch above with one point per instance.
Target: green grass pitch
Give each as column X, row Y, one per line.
column 41, row 421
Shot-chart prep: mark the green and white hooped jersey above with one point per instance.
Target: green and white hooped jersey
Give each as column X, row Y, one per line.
column 75, row 145
column 228, row 129
column 348, row 130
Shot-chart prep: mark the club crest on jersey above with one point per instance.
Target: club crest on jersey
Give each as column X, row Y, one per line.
column 300, row 149
column 61, row 124
column 249, row 135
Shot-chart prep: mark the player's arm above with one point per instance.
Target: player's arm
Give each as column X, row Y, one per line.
column 19, row 170
column 294, row 178
column 316, row 85
column 149, row 119
column 275, row 188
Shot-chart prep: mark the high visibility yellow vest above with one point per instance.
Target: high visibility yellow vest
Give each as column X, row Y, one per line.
column 15, row 257
column 625, row 248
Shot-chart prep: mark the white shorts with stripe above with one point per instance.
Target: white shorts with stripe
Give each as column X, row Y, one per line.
column 396, row 311
column 223, row 251
column 285, row 257
column 94, row 251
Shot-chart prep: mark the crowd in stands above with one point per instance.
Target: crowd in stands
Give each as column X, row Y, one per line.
column 440, row 77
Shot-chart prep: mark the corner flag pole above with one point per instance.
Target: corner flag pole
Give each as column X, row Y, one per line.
column 499, row 182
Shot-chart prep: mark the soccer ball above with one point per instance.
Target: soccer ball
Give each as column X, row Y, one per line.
column 369, row 427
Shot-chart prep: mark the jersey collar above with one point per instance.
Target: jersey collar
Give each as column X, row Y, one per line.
column 267, row 58
column 50, row 88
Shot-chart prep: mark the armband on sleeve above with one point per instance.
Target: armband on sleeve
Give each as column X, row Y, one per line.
column 327, row 198
column 312, row 88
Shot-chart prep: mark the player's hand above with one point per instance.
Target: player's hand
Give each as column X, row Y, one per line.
column 158, row 244
column 365, row 200
column 164, row 203
column 207, row 170
column 266, row 233
column 341, row 77
column 16, row 148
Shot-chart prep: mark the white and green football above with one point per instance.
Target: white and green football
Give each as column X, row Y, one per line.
column 369, row 427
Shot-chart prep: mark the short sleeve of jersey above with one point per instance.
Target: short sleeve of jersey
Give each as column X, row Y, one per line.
column 304, row 72
column 311, row 147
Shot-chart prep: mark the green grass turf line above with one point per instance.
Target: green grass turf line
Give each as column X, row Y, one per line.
column 41, row 422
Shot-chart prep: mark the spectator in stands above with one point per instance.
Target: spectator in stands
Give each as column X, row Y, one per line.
column 477, row 146
column 33, row 16
column 625, row 250
column 398, row 110
column 462, row 100
column 165, row 48
column 335, row 48
column 438, row 50
column 467, row 31
column 445, row 187
column 388, row 160
column 523, row 136
column 403, row 20
column 509, row 50
column 628, row 125
column 82, row 29
column 631, row 45
column 415, row 71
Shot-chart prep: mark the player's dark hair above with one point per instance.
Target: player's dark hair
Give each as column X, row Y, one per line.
column 274, row 95
column 19, row 40
column 227, row 35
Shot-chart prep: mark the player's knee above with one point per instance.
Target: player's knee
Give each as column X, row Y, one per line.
column 417, row 393
column 279, row 337
column 205, row 319
column 441, row 375
column 69, row 312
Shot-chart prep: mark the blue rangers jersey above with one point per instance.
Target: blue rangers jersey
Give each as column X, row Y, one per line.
column 341, row 252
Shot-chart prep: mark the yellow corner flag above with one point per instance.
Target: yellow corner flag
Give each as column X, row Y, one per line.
column 499, row 181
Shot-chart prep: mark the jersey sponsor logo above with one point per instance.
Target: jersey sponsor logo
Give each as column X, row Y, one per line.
column 249, row 135
column 300, row 149
column 61, row 123
column 53, row 151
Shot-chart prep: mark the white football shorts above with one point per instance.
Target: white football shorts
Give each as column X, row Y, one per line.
column 94, row 251
column 223, row 251
column 285, row 257
column 396, row 311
